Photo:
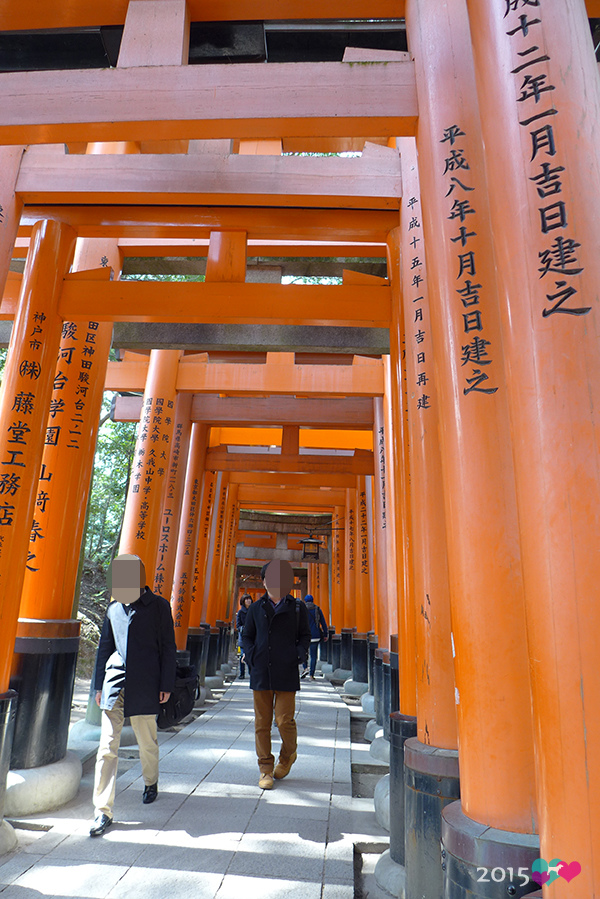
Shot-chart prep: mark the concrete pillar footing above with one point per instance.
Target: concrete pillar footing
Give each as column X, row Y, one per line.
column 380, row 749
column 214, row 682
column 8, row 838
column 373, row 730
column 33, row 790
column 82, row 731
column 355, row 688
column 367, row 701
column 381, row 800
column 340, row 675
column 390, row 876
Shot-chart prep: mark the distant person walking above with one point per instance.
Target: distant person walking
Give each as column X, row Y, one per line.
column 240, row 620
column 318, row 633
column 275, row 639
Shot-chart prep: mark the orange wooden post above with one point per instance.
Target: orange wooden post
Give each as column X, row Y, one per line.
column 402, row 514
column 337, row 568
column 540, row 124
column 211, row 594
column 350, row 604
column 24, row 403
column 435, row 710
column 144, row 507
column 10, row 206
column 206, row 511
column 323, row 590
column 68, row 458
column 172, row 508
column 491, row 671
column 188, row 533
column 380, row 516
column 229, row 530
column 394, row 565
column 364, row 559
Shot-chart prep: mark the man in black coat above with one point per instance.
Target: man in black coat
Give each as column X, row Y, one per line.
column 275, row 641
column 134, row 674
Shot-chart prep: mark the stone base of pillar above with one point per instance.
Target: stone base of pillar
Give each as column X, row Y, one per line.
column 389, row 876
column 431, row 782
column 355, row 688
column 380, row 749
column 8, row 838
column 214, row 682
column 367, row 701
column 381, row 801
column 203, row 695
column 84, row 732
column 326, row 668
column 373, row 730
column 468, row 846
column 340, row 676
column 33, row 790
column 225, row 668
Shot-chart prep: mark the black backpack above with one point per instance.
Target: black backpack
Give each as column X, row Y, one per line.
column 181, row 701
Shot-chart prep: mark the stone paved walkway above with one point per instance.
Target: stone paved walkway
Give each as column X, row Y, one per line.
column 212, row 832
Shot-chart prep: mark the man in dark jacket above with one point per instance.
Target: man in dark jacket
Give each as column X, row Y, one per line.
column 275, row 640
column 134, row 674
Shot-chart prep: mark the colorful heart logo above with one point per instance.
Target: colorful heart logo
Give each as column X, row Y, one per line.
column 569, row 871
column 547, row 872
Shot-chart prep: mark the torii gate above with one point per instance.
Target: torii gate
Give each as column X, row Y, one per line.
column 503, row 99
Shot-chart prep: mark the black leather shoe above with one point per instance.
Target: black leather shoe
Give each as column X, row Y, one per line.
column 100, row 825
column 150, row 793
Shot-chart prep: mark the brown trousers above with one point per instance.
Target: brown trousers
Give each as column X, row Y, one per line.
column 284, row 706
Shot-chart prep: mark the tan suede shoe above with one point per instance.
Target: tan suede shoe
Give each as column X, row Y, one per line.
column 265, row 781
column 282, row 769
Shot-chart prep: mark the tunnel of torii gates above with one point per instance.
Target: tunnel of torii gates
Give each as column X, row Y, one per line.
column 437, row 409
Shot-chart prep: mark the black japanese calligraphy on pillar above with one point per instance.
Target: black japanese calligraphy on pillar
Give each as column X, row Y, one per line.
column 364, row 533
column 420, row 335
column 351, row 541
column 558, row 249
column 474, row 352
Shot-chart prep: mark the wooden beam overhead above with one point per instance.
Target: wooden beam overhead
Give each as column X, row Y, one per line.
column 219, row 459
column 369, row 225
column 73, row 14
column 210, row 101
column 294, row 481
column 262, row 380
column 226, row 302
column 370, row 183
column 355, row 413
column 281, row 495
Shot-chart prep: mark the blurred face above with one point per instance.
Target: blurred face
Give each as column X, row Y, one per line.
column 279, row 579
column 126, row 578
column 248, row 602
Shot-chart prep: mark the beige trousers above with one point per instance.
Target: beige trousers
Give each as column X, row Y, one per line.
column 284, row 705
column 107, row 760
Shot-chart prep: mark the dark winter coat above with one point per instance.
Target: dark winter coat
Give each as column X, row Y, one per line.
column 140, row 640
column 275, row 641
column 316, row 620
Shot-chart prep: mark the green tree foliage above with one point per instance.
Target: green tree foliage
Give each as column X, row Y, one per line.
column 112, row 470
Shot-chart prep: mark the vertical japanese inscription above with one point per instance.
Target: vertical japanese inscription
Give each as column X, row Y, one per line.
column 558, row 253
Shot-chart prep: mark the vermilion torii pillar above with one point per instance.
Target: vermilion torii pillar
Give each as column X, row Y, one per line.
column 26, row 392
column 539, row 90
column 486, row 590
column 172, row 510
column 189, row 529
column 206, row 512
column 215, row 549
column 147, row 487
column 350, row 604
column 337, row 568
column 364, row 603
